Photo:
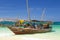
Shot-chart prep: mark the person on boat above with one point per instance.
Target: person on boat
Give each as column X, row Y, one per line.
column 46, row 26
column 24, row 25
column 41, row 26
column 34, row 25
column 38, row 27
column 27, row 25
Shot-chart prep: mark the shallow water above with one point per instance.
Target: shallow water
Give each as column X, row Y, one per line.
column 4, row 31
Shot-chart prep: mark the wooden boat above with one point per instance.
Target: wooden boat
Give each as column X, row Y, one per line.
column 18, row 30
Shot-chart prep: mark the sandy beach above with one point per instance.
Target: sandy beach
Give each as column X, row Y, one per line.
column 31, row 37
column 8, row 35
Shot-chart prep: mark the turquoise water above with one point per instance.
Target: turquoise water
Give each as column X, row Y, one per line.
column 56, row 23
column 7, row 22
column 56, row 29
column 4, row 31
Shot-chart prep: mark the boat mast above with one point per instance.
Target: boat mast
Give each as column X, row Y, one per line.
column 28, row 10
column 42, row 17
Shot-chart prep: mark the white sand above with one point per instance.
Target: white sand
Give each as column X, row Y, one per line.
column 41, row 36
column 31, row 37
column 21, row 38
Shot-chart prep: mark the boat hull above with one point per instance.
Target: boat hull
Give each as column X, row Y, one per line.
column 28, row 30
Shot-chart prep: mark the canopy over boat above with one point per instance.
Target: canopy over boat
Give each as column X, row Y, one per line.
column 21, row 21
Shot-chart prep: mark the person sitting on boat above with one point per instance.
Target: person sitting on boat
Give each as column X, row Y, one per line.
column 28, row 26
column 41, row 26
column 48, row 26
column 45, row 26
column 38, row 27
column 34, row 26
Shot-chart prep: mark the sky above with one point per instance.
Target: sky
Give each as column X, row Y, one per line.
column 17, row 9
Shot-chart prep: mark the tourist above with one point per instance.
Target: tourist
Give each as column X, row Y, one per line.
column 41, row 26
column 33, row 24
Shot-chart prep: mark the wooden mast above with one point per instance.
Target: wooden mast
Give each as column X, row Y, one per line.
column 43, row 14
column 28, row 10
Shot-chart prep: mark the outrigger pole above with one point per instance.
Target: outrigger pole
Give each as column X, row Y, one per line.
column 43, row 14
column 28, row 10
